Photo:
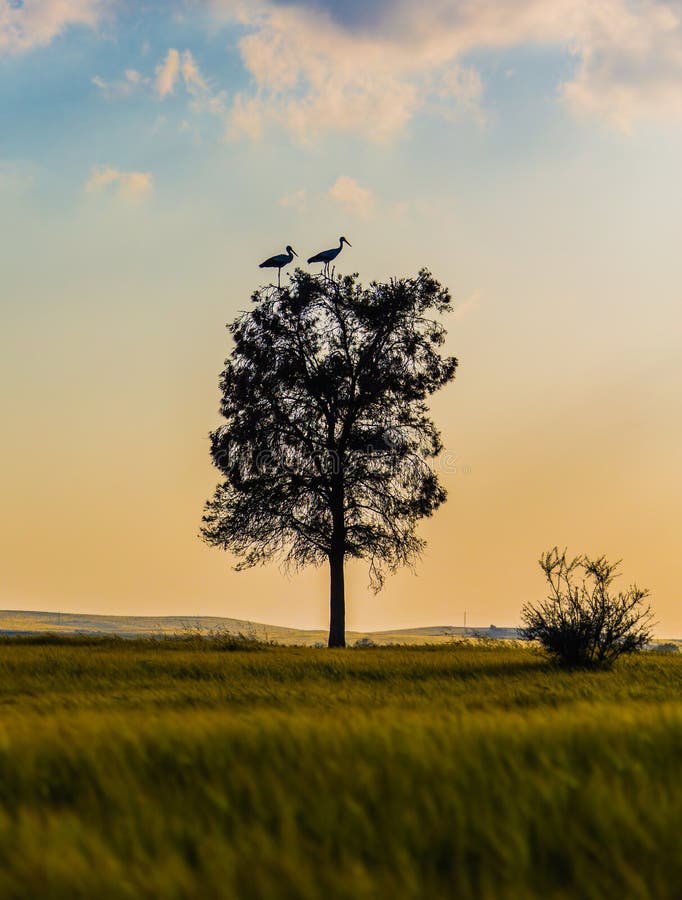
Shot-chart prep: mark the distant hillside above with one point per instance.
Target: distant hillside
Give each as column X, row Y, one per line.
column 32, row 621
column 455, row 631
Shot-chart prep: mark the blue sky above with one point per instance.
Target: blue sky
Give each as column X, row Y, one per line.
column 151, row 155
column 57, row 119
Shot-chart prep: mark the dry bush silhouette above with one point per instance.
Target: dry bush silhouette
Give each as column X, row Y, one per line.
column 583, row 622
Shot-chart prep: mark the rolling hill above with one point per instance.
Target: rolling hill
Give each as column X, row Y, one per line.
column 34, row 621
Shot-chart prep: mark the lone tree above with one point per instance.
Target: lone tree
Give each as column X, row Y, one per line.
column 583, row 622
column 327, row 438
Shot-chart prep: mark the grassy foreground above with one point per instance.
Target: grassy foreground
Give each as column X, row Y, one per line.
column 180, row 770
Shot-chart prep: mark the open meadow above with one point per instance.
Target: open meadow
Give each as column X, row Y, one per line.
column 185, row 768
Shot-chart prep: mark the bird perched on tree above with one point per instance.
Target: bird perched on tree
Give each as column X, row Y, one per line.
column 279, row 261
column 327, row 256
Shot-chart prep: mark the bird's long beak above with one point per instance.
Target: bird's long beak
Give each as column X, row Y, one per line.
column 348, row 242
column 294, row 252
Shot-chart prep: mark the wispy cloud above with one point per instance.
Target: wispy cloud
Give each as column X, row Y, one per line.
column 630, row 64
column 194, row 80
column 131, row 185
column 183, row 68
column 33, row 23
column 322, row 66
column 347, row 193
column 167, row 73
column 204, row 97
column 311, row 78
column 350, row 195
column 297, row 200
column 121, row 87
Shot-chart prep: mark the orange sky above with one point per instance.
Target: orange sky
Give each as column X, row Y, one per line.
column 535, row 172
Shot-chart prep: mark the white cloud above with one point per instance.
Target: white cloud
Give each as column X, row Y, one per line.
column 131, row 185
column 311, row 78
column 167, row 73
column 351, row 196
column 132, row 79
column 297, row 200
column 459, row 90
column 245, row 118
column 354, row 198
column 324, row 66
column 630, row 66
column 205, row 99
column 34, row 23
column 183, row 66
column 194, row 80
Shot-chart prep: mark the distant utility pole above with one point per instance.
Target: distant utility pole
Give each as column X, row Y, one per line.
column 465, row 618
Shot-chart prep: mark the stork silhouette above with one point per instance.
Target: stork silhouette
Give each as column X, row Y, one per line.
column 279, row 261
column 327, row 256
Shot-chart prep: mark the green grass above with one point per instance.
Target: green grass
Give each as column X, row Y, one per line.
column 188, row 768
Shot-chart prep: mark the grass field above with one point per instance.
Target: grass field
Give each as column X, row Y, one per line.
column 181, row 769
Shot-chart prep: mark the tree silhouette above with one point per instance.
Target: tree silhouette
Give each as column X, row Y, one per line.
column 327, row 437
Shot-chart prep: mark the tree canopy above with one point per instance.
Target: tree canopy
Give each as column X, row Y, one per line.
column 327, row 440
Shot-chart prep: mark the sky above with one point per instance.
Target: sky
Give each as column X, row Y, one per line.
column 153, row 153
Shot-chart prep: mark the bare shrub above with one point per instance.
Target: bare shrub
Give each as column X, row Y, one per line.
column 583, row 622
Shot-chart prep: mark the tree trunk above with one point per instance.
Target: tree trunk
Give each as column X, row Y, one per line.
column 337, row 600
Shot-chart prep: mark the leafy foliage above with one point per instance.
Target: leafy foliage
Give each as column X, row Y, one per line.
column 327, row 437
column 583, row 624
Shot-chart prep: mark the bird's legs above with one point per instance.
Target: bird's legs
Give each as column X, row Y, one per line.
column 279, row 279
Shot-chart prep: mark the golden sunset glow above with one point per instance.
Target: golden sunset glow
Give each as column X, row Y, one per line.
column 143, row 182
